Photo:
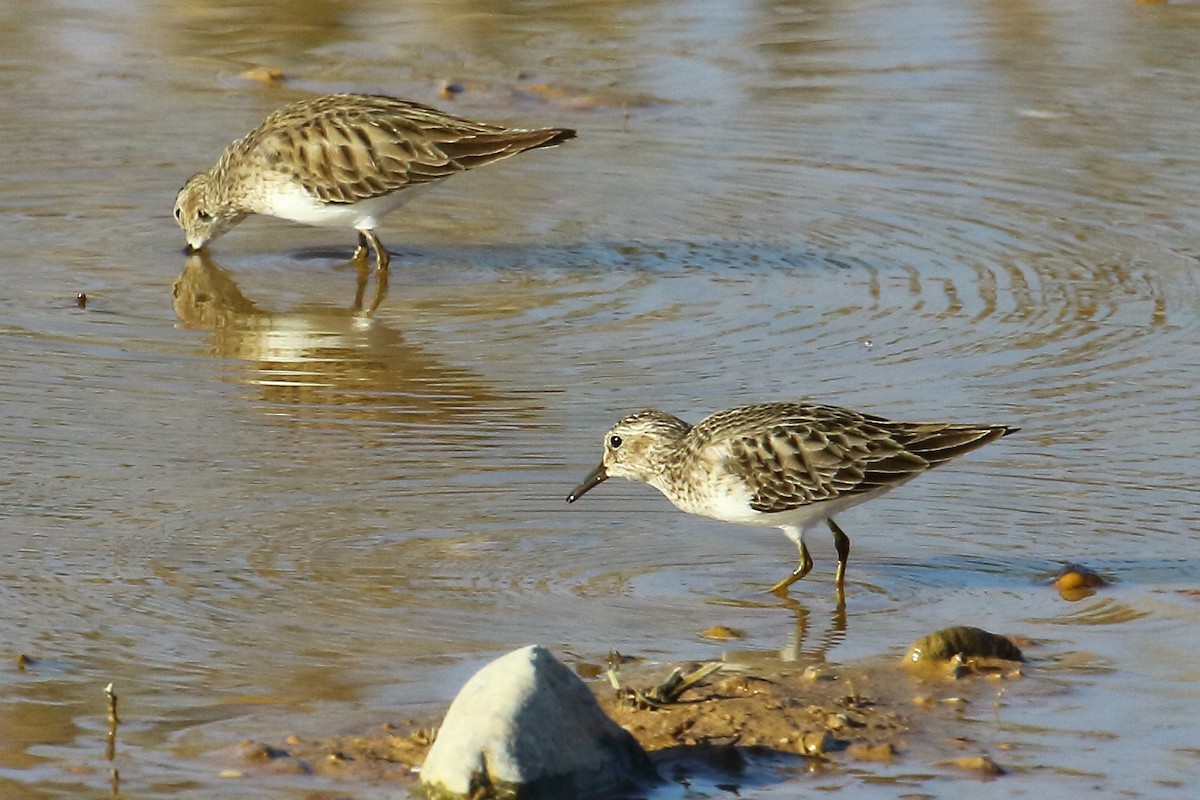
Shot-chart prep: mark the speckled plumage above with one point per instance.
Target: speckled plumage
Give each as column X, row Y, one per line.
column 785, row 465
column 342, row 160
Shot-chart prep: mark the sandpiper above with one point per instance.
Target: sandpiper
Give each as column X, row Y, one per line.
column 784, row 465
column 342, row 160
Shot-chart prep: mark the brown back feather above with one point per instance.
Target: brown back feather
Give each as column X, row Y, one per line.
column 345, row 148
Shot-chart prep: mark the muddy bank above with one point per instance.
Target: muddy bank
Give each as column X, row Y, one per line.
column 751, row 721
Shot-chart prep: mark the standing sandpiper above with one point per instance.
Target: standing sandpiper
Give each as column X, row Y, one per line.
column 784, row 465
column 342, row 160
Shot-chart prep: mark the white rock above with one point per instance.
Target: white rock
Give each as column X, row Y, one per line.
column 526, row 726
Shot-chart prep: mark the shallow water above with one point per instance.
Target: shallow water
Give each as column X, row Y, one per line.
column 259, row 514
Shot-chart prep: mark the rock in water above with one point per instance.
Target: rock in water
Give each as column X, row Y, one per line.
column 965, row 641
column 525, row 726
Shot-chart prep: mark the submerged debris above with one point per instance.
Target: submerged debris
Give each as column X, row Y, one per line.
column 669, row 691
column 959, row 644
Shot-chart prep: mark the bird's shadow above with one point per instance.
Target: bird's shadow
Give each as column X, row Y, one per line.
column 456, row 261
column 730, row 768
column 629, row 254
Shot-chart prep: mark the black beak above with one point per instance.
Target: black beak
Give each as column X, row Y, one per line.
column 594, row 479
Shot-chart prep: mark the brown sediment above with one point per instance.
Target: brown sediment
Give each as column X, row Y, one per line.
column 823, row 715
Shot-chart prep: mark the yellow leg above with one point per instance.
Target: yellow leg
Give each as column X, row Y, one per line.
column 802, row 569
column 382, row 259
column 360, row 252
column 842, row 542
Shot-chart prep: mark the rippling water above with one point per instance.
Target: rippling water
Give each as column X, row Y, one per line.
column 259, row 514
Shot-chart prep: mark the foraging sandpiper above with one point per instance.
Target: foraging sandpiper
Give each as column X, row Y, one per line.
column 342, row 160
column 785, row 465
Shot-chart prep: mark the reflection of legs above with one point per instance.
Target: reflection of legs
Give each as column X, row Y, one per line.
column 368, row 239
column 799, row 646
column 359, row 260
column 842, row 542
column 802, row 569
column 381, row 285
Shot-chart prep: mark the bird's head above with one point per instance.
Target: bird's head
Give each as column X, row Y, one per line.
column 201, row 213
column 637, row 448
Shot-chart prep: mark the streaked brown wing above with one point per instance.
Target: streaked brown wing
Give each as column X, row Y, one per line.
column 939, row 443
column 799, row 464
column 353, row 147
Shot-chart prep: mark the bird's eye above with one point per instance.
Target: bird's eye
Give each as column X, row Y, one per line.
column 203, row 215
column 614, row 441
column 178, row 213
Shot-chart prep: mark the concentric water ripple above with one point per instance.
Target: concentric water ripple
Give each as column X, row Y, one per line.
column 254, row 509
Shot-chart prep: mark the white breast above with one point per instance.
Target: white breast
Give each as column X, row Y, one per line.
column 291, row 201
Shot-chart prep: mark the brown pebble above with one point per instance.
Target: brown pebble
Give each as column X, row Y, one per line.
column 731, row 685
column 721, row 633
column 836, row 722
column 981, row 764
column 816, row 673
column 267, row 76
column 254, row 751
column 450, row 90
column 1075, row 582
column 872, row 752
column 81, row 300
column 587, row 670
column 816, row 743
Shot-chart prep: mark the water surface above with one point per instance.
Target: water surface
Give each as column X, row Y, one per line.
column 260, row 514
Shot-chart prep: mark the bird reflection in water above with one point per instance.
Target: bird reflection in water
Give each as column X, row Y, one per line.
column 321, row 356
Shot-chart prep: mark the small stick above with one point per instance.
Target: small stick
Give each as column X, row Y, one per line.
column 110, row 751
column 112, row 705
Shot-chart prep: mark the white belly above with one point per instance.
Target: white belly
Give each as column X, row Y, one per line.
column 291, row 201
column 731, row 503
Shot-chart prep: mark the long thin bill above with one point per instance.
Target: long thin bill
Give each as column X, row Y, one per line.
column 594, row 479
